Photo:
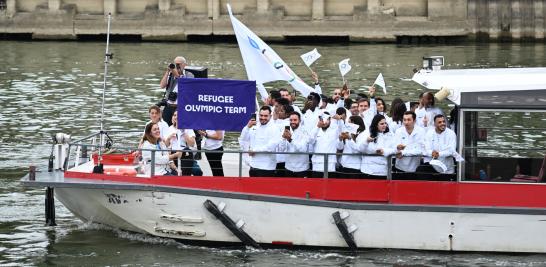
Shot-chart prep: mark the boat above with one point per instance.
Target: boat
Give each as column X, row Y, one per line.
column 496, row 202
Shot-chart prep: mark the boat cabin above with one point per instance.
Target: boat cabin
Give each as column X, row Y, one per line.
column 501, row 122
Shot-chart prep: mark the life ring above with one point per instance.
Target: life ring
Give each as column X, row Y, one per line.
column 120, row 171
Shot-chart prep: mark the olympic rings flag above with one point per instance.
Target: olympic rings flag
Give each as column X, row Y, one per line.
column 262, row 64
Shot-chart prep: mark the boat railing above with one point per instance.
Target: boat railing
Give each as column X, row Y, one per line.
column 235, row 162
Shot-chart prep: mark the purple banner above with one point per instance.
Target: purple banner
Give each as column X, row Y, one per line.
column 214, row 104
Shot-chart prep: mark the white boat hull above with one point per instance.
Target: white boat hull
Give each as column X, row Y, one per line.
column 276, row 220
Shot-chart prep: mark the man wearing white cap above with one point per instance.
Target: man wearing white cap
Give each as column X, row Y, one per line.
column 324, row 140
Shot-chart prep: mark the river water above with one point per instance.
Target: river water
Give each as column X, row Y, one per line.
column 50, row 87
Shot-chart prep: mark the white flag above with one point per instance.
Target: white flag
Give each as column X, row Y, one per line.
column 262, row 64
column 381, row 83
column 310, row 57
column 344, row 67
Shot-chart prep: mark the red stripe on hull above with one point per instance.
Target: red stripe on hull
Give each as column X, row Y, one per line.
column 356, row 190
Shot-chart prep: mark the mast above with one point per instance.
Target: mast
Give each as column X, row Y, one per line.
column 107, row 57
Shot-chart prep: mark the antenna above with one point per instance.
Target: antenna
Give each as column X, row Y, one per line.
column 107, row 57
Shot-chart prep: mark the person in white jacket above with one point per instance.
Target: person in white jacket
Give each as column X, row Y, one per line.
column 410, row 144
column 163, row 161
column 324, row 138
column 263, row 136
column 377, row 146
column 295, row 140
column 440, row 144
column 350, row 164
column 181, row 140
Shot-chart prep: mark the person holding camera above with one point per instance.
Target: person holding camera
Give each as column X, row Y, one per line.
column 169, row 82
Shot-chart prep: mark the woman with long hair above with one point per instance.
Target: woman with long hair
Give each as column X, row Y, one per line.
column 350, row 164
column 398, row 107
column 376, row 146
column 163, row 160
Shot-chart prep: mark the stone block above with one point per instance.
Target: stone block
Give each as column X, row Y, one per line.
column 110, row 6
column 318, row 9
column 164, row 5
column 54, row 5
column 262, row 6
column 447, row 9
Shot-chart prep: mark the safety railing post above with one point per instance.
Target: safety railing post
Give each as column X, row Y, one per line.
column 389, row 168
column 152, row 162
column 325, row 166
column 179, row 166
column 240, row 164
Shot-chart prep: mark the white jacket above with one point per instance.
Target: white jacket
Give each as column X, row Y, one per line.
column 325, row 141
column 161, row 158
column 376, row 165
column 262, row 138
column 300, row 142
column 415, row 145
column 445, row 143
column 350, row 147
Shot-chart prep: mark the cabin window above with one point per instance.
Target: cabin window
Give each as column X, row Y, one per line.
column 501, row 146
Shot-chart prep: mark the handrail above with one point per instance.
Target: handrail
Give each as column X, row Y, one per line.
column 80, row 143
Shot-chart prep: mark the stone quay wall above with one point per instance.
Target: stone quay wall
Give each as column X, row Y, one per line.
column 402, row 21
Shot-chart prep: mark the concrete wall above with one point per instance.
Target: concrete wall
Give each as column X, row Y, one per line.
column 87, row 7
column 409, row 7
column 29, row 5
column 356, row 20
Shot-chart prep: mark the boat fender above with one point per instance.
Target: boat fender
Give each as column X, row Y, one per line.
column 234, row 228
column 346, row 233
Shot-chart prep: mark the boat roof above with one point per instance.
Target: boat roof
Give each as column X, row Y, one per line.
column 496, row 87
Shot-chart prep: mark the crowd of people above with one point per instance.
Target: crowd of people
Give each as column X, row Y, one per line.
column 344, row 136
column 348, row 138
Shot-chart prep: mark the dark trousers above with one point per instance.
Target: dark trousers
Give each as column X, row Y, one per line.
column 315, row 174
column 426, row 172
column 398, row 174
column 280, row 170
column 376, row 177
column 295, row 174
column 168, row 112
column 186, row 162
column 254, row 172
column 343, row 172
column 215, row 162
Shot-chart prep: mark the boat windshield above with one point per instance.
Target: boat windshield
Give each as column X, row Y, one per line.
column 503, row 145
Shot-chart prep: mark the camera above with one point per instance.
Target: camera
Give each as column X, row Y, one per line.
column 253, row 116
column 172, row 66
column 287, row 128
column 163, row 102
column 172, row 96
